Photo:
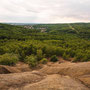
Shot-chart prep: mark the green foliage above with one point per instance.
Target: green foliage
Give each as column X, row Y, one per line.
column 9, row 59
column 59, row 51
column 39, row 54
column 44, row 61
column 58, row 39
column 65, row 56
column 85, row 59
column 31, row 60
column 81, row 57
column 2, row 51
column 69, row 52
column 54, row 58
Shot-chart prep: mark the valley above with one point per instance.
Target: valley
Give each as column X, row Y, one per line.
column 45, row 56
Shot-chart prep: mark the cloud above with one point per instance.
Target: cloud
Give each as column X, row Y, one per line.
column 44, row 11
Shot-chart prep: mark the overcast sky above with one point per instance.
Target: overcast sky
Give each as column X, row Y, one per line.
column 44, row 11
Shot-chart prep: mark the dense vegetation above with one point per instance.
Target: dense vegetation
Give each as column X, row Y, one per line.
column 70, row 41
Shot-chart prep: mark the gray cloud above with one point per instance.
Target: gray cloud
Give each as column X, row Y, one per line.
column 44, row 11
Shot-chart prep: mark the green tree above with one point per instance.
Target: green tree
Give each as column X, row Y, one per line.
column 31, row 60
column 39, row 54
column 54, row 58
column 44, row 61
column 9, row 59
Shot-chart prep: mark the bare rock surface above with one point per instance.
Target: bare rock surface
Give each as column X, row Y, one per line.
column 56, row 82
column 68, row 68
column 8, row 69
column 85, row 80
column 19, row 79
column 53, row 76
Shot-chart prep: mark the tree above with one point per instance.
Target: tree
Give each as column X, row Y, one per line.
column 39, row 54
column 54, row 58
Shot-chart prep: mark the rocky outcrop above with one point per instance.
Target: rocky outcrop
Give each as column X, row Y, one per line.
column 54, row 76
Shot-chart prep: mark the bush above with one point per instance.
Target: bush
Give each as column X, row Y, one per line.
column 78, row 57
column 8, row 59
column 49, row 50
column 39, row 54
column 54, row 58
column 66, row 57
column 86, row 57
column 70, row 52
column 59, row 51
column 31, row 60
column 81, row 57
column 44, row 61
column 2, row 51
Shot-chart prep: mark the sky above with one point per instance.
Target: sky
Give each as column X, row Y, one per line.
column 44, row 11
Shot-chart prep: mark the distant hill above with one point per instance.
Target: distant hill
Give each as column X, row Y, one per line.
column 21, row 23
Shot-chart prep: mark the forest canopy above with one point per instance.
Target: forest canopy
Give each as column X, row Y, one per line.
column 40, row 41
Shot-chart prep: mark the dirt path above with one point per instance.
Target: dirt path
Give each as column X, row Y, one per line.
column 53, row 76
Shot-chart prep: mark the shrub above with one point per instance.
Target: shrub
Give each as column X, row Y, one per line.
column 44, row 61
column 9, row 59
column 2, row 50
column 66, row 57
column 39, row 54
column 86, row 57
column 49, row 50
column 82, row 57
column 31, row 60
column 59, row 51
column 78, row 57
column 70, row 52
column 54, row 58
